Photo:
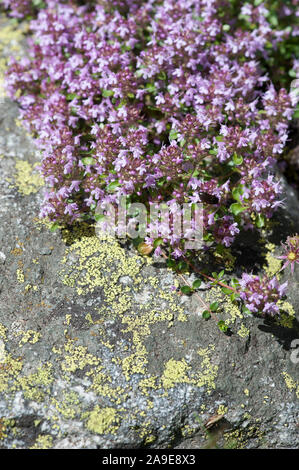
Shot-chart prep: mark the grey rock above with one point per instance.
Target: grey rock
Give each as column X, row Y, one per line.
column 101, row 352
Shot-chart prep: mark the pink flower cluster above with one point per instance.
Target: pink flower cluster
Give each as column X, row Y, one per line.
column 19, row 8
column 262, row 295
column 158, row 100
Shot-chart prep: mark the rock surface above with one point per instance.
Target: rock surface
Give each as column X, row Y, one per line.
column 98, row 350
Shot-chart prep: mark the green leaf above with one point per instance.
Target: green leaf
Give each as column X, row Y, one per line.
column 112, row 186
column 71, row 96
column 237, row 208
column 237, row 159
column 151, row 87
column 88, row 160
column 206, row 315
column 171, row 263
column 273, row 20
column 162, row 76
column 54, row 227
column 234, row 282
column 222, row 326
column 260, row 221
column 196, row 284
column 296, row 114
column 99, row 217
column 107, row 93
column 225, row 290
column 173, row 134
column 158, row 242
column 39, row 4
column 186, row 289
column 182, row 265
column 139, row 72
column 237, row 192
column 214, row 306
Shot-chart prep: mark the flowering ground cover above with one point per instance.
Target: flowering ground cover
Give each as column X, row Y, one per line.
column 101, row 346
column 162, row 102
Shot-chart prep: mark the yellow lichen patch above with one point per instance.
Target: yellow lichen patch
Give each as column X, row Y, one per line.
column 273, row 265
column 243, row 332
column 292, row 384
column 2, row 71
column 187, row 431
column 3, row 331
column 98, row 264
column 6, row 425
column 148, row 383
column 35, row 386
column 150, row 439
column 77, row 357
column 175, row 372
column 43, row 442
column 27, row 179
column 173, row 307
column 178, row 372
column 29, row 336
column 136, row 362
column 144, row 433
column 20, row 275
column 10, row 38
column 2, row 429
column 222, row 410
column 88, row 318
column 102, row 385
column 239, row 438
column 95, row 261
column 231, row 310
column 68, row 406
column 11, row 35
column 40, row 223
column 287, row 314
column 103, row 420
column 9, row 371
column 209, row 371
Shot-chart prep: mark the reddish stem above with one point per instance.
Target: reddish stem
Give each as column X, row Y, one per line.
column 209, row 277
